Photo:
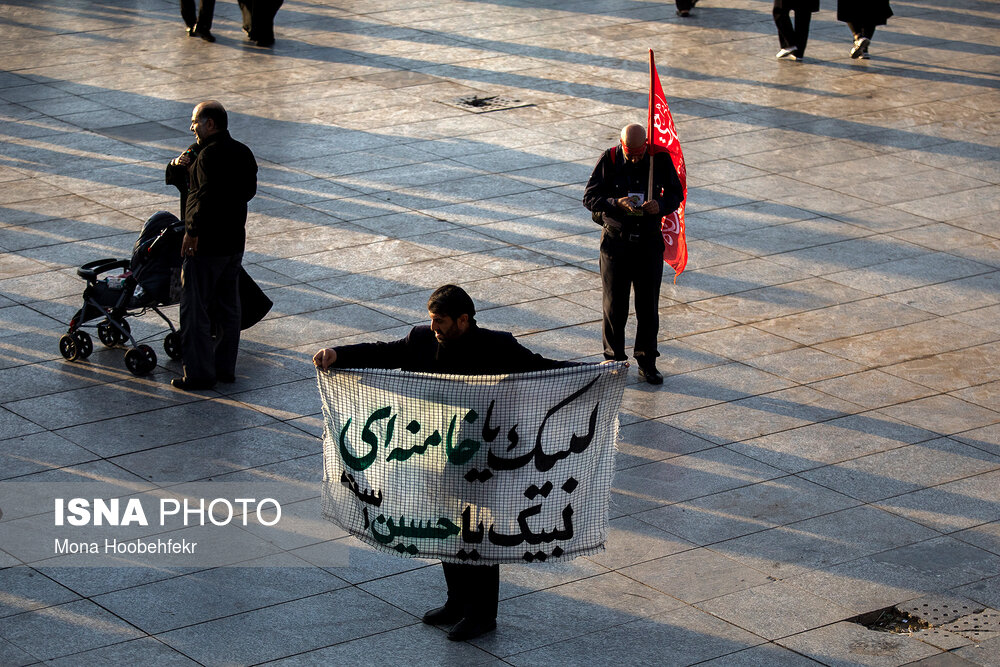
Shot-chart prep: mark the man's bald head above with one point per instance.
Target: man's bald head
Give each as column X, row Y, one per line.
column 208, row 118
column 213, row 110
column 633, row 139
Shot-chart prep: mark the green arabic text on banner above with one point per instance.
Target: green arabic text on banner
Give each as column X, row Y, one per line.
column 472, row 469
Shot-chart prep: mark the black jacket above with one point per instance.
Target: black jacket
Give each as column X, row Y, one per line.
column 219, row 183
column 617, row 177
column 477, row 352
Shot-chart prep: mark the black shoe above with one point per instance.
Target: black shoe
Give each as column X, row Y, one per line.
column 470, row 628
column 443, row 616
column 683, row 12
column 192, row 385
column 650, row 374
column 191, row 31
column 265, row 42
column 204, row 34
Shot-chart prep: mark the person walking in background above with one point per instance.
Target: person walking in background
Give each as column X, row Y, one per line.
column 793, row 38
column 684, row 7
column 861, row 16
column 198, row 24
column 258, row 20
column 222, row 178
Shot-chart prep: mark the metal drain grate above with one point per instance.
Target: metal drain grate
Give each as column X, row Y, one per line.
column 977, row 627
column 477, row 104
column 939, row 613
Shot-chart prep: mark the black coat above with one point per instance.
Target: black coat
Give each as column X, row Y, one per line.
column 863, row 12
column 800, row 5
column 477, row 352
column 221, row 180
column 615, row 177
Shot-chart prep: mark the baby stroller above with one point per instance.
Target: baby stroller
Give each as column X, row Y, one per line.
column 121, row 288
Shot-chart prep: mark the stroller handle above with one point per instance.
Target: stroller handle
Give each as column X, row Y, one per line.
column 91, row 270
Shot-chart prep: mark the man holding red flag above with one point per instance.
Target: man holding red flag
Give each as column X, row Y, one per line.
column 637, row 195
column 620, row 198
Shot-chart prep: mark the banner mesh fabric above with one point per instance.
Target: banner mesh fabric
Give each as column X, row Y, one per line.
column 477, row 469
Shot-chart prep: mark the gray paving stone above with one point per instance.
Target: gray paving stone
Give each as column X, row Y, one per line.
column 414, row 642
column 904, row 469
column 775, row 610
column 761, row 655
column 841, row 439
column 14, row 656
column 161, row 606
column 80, row 625
column 193, row 419
column 717, row 575
column 202, row 458
column 681, row 636
column 899, row 575
column 691, row 476
column 144, row 651
column 285, row 629
column 822, row 541
column 571, row 610
column 746, row 510
column 949, row 507
column 851, row 644
column 27, row 590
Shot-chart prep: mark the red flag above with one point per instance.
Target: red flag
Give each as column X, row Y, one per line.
column 663, row 137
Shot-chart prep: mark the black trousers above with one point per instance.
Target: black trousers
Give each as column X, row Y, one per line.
column 210, row 304
column 631, row 266
column 793, row 37
column 862, row 29
column 475, row 589
column 258, row 18
column 202, row 19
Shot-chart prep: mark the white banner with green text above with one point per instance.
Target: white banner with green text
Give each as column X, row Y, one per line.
column 472, row 469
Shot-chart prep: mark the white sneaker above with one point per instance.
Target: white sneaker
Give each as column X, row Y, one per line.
column 786, row 54
column 860, row 46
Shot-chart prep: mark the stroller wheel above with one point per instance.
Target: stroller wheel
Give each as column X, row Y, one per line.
column 140, row 360
column 69, row 348
column 110, row 335
column 104, row 332
column 172, row 345
column 84, row 343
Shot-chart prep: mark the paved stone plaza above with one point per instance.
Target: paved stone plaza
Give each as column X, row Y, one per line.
column 826, row 442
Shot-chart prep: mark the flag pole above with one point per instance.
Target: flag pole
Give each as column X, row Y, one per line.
column 649, row 128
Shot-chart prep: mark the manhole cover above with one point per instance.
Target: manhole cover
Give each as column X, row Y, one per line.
column 477, row 104
column 890, row 619
column 938, row 612
column 977, row 627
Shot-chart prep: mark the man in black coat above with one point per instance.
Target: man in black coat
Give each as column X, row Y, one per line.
column 258, row 20
column 222, row 178
column 453, row 343
column 793, row 39
column 862, row 16
column 199, row 23
column 631, row 243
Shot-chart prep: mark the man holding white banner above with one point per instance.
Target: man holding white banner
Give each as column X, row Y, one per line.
column 465, row 503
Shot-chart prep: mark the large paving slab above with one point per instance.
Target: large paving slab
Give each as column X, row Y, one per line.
column 827, row 440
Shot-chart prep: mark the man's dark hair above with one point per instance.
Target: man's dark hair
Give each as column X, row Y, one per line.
column 451, row 301
column 217, row 114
